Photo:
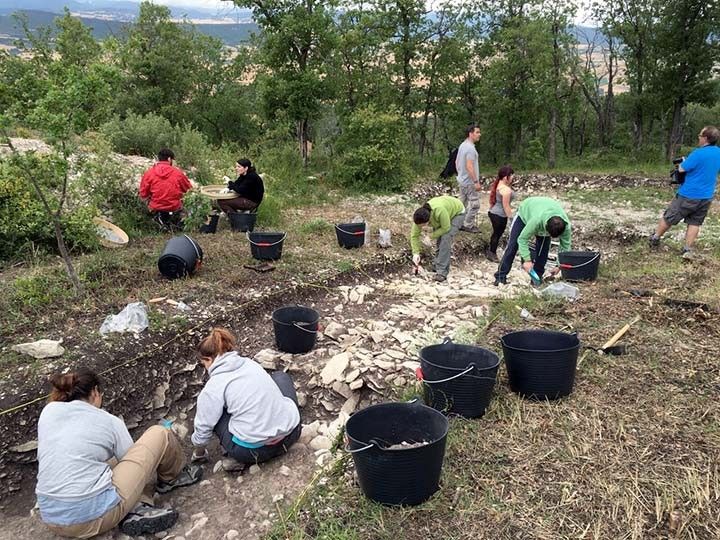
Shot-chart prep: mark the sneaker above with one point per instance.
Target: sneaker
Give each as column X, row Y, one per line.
column 498, row 281
column 147, row 519
column 688, row 254
column 189, row 475
column 232, row 465
column 440, row 278
column 491, row 256
column 471, row 229
column 654, row 241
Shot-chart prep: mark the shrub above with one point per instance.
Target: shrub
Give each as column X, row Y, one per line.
column 197, row 207
column 24, row 222
column 373, row 152
column 269, row 211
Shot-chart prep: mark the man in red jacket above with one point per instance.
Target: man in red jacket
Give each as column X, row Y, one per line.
column 163, row 186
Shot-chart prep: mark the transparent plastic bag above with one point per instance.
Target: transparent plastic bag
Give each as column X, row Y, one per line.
column 385, row 238
column 131, row 319
column 561, row 289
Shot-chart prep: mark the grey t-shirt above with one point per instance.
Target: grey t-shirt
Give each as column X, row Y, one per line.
column 466, row 151
column 75, row 442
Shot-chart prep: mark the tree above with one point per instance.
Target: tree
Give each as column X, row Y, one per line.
column 688, row 45
column 297, row 43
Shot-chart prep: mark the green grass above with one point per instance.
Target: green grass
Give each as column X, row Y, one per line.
column 650, row 198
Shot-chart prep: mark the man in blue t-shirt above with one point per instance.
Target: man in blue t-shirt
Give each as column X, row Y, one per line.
column 692, row 201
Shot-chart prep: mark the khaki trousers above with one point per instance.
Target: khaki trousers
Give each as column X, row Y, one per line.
column 158, row 450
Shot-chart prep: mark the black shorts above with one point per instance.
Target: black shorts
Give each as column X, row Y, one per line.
column 693, row 211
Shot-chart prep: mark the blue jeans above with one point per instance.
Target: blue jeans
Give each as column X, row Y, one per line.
column 542, row 248
column 264, row 453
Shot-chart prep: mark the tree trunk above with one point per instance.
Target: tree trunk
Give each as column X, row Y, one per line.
column 552, row 134
column 675, row 137
column 302, row 135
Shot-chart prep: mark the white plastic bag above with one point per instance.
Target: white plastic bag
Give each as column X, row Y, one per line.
column 131, row 319
column 564, row 290
column 385, row 238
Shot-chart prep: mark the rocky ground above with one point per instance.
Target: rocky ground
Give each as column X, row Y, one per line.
column 368, row 350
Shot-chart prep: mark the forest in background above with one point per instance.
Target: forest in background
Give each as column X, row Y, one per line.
column 368, row 94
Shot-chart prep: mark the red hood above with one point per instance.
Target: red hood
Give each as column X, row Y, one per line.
column 163, row 169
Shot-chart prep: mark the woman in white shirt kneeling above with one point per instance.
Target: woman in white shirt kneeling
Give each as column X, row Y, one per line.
column 254, row 414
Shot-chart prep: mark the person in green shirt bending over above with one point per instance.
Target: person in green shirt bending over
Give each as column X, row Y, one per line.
column 543, row 218
column 445, row 214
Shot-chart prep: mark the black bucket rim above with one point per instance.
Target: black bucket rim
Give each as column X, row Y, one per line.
column 475, row 366
column 502, row 340
column 372, row 445
column 296, row 323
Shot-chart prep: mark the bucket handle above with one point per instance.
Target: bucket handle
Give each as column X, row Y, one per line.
column 357, row 450
column 192, row 242
column 264, row 244
column 570, row 266
column 356, row 233
column 468, row 370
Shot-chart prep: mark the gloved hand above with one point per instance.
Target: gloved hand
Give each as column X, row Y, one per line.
column 416, row 259
column 226, row 179
column 527, row 266
column 200, row 455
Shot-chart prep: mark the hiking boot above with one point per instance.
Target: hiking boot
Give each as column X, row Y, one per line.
column 147, row 519
column 654, row 241
column 189, row 475
column 232, row 465
column 470, row 229
column 499, row 281
column 440, row 278
column 491, row 256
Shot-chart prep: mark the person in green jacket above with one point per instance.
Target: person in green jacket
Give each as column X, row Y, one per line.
column 543, row 218
column 445, row 214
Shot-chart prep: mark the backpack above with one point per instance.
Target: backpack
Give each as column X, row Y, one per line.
column 450, row 168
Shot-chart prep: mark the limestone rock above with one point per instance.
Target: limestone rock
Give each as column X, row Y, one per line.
column 320, row 443
column 285, row 470
column 356, row 384
column 254, row 469
column 42, row 348
column 335, row 330
column 267, row 358
column 333, row 370
column 354, row 374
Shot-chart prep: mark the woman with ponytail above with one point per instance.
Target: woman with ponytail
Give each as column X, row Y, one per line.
column 254, row 414
column 501, row 195
column 248, row 186
column 91, row 475
column 445, row 215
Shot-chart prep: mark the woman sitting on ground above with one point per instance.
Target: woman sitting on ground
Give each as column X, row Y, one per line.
column 249, row 187
column 445, row 216
column 501, row 195
column 255, row 415
column 91, row 475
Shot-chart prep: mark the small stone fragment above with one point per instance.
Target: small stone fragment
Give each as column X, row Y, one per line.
column 334, row 368
column 356, row 384
column 254, row 469
column 285, row 470
column 277, row 498
column 320, row 443
column 334, row 330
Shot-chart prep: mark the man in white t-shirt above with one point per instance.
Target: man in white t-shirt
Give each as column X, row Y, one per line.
column 468, row 171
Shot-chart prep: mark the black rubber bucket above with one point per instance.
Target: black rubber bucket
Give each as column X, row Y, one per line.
column 242, row 221
column 296, row 328
column 181, row 256
column 350, row 235
column 458, row 379
column 266, row 246
column 540, row 363
column 406, row 476
column 579, row 265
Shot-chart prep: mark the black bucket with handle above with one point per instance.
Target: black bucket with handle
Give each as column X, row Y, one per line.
column 579, row 265
column 458, row 379
column 398, row 450
column 181, row 256
column 350, row 235
column 296, row 328
column 242, row 221
column 541, row 364
column 266, row 246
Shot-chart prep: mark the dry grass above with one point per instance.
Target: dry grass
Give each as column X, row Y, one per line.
column 636, row 443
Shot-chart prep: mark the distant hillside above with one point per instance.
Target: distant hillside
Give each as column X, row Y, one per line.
column 231, row 34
